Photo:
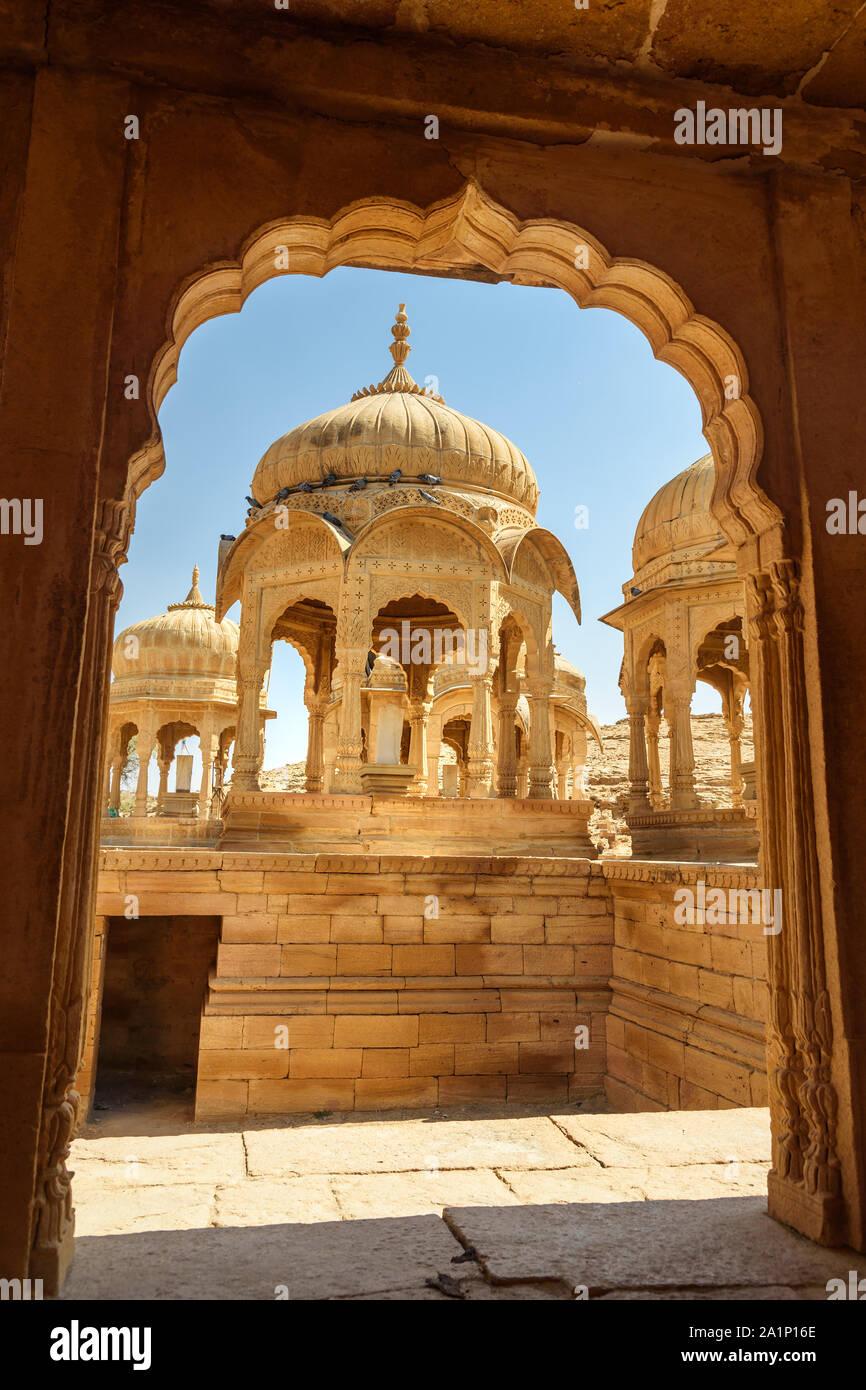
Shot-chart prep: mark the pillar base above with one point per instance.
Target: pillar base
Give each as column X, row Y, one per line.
column 816, row 1215
column 50, row 1263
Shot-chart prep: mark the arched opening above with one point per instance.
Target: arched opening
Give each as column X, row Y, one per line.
column 473, row 230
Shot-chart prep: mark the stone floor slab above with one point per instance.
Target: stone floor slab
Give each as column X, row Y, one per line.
column 148, row 1160
column 726, row 1241
column 672, row 1137
column 415, row 1194
column 317, row 1261
column 414, row 1145
column 272, row 1202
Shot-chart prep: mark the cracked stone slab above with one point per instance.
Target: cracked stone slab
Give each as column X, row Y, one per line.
column 267, row 1202
column 325, row 1260
column 411, row 1145
column 476, row 1290
column 414, row 1194
column 638, row 1184
column 725, row 1242
column 102, row 1209
column 672, row 1137
column 142, row 1160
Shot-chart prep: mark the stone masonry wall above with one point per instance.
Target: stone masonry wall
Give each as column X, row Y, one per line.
column 413, row 981
column 689, row 1001
column 401, row 981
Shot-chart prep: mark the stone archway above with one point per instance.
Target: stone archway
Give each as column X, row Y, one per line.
column 470, row 228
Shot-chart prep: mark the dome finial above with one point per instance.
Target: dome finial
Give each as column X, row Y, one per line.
column 400, row 349
column 194, row 598
column 398, row 379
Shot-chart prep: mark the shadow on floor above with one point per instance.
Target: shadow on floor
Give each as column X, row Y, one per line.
column 667, row 1248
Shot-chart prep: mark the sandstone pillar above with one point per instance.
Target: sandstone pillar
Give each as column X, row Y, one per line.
column 638, row 769
column 248, row 752
column 805, row 1184
column 562, row 779
column 164, row 765
column 480, row 749
column 683, row 797
column 315, row 766
column 350, row 745
column 53, row 1218
column 419, row 712
column 735, row 724
column 507, row 768
column 651, row 725
column 114, row 793
column 144, row 747
column 540, row 751
column 209, row 744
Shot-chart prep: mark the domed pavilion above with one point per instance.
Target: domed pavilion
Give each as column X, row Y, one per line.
column 393, row 543
column 174, row 678
column 683, row 620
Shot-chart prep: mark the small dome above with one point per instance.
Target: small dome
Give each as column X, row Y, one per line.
column 678, row 517
column 567, row 674
column 186, row 640
column 397, row 425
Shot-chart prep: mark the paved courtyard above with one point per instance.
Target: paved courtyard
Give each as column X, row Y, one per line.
column 463, row 1204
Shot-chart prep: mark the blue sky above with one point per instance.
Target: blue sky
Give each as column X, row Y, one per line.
column 579, row 391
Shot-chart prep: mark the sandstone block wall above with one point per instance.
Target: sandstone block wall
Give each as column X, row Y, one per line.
column 688, row 1005
column 400, row 981
column 370, row 982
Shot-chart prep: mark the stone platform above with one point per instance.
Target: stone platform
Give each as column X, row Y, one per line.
column 298, row 822
column 720, row 835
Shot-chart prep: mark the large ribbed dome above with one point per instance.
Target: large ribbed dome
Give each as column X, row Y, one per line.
column 678, row 516
column 186, row 640
column 397, row 425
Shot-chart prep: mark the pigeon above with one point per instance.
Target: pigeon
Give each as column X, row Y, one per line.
column 429, row 498
column 228, row 538
column 370, row 663
column 635, row 592
column 395, row 477
column 334, row 520
column 429, row 478
column 282, row 494
column 329, row 480
column 253, row 503
column 304, row 487
column 358, row 485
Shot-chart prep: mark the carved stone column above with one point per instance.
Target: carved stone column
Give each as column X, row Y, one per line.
column 523, row 777
column 53, row 1225
column 248, row 752
column 540, row 750
column 350, row 743
column 805, row 1184
column 114, row 793
column 209, row 743
column 419, row 712
column 735, row 724
column 480, row 762
column 678, row 707
column 562, row 778
column 315, row 767
column 651, row 726
column 638, row 769
column 164, row 764
column 507, row 769
column 145, row 745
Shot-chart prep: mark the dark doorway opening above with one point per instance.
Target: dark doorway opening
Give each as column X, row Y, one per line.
column 156, row 973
